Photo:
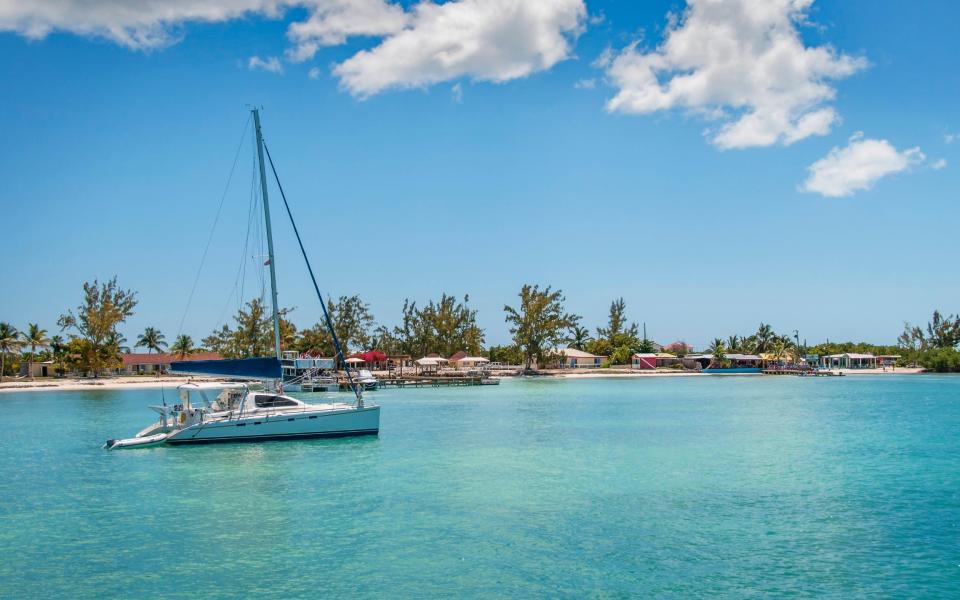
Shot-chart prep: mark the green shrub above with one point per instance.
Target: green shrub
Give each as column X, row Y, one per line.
column 942, row 360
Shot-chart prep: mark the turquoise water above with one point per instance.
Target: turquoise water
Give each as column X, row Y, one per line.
column 683, row 487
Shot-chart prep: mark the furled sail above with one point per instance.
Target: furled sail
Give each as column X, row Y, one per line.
column 241, row 368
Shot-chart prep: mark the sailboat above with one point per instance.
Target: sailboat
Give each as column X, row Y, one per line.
column 235, row 412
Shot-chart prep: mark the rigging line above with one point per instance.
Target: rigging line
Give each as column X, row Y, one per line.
column 216, row 219
column 326, row 315
column 250, row 220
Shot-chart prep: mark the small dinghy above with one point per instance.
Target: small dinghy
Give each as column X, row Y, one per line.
column 136, row 442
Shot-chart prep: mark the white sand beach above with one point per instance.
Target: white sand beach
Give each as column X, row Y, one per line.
column 102, row 383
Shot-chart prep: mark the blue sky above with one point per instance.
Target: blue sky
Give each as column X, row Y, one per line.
column 498, row 169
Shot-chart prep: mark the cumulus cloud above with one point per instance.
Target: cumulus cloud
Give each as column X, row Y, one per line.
column 585, row 84
column 314, row 73
column 487, row 40
column 457, row 92
column 939, row 164
column 270, row 64
column 429, row 42
column 141, row 25
column 844, row 171
column 741, row 63
column 331, row 22
column 950, row 138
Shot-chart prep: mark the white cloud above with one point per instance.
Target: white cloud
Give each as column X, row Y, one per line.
column 585, row 84
column 951, row 137
column 140, row 25
column 939, row 164
column 487, row 40
column 741, row 63
column 858, row 166
column 430, row 42
column 314, row 73
column 271, row 64
column 457, row 92
column 331, row 22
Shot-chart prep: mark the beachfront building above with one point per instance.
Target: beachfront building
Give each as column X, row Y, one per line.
column 148, row 364
column 45, row 368
column 737, row 361
column 653, row 360
column 571, row 358
column 888, row 360
column 644, row 361
column 468, row 362
column 849, row 360
column 430, row 364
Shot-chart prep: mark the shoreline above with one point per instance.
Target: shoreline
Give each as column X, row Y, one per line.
column 134, row 382
column 104, row 383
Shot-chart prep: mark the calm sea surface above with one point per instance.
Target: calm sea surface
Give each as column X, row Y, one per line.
column 683, row 487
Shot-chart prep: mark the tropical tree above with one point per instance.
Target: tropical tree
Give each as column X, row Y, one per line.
column 579, row 336
column 151, row 339
column 316, row 340
column 763, row 339
column 220, row 341
column 718, row 349
column 117, row 341
column 617, row 332
column 10, row 342
column 182, row 346
column 943, row 332
column 444, row 327
column 646, row 346
column 733, row 343
column 539, row 324
column 35, row 337
column 353, row 322
column 382, row 339
column 254, row 334
column 95, row 321
column 779, row 349
column 509, row 355
column 58, row 349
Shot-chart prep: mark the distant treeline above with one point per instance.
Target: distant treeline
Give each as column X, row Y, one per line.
column 89, row 339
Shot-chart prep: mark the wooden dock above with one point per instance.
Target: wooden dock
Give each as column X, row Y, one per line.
column 427, row 381
column 799, row 373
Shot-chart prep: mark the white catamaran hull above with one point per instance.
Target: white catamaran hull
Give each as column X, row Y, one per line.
column 282, row 426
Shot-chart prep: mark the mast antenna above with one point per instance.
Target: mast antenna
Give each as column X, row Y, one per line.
column 271, row 261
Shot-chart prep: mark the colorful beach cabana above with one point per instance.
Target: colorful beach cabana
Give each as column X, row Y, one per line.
column 644, row 361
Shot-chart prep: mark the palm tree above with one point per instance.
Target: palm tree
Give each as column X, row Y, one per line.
column 579, row 336
column 59, row 350
column 151, row 339
column 733, row 343
column 116, row 340
column 764, row 338
column 182, row 346
column 719, row 351
column 778, row 349
column 35, row 337
column 10, row 342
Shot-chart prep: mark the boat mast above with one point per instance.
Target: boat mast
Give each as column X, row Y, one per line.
column 266, row 215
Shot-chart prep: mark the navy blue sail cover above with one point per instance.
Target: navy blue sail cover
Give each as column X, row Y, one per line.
column 241, row 368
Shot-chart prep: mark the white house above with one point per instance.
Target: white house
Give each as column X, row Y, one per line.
column 578, row 359
column 849, row 360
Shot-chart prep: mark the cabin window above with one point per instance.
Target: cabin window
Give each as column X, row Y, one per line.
column 273, row 401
